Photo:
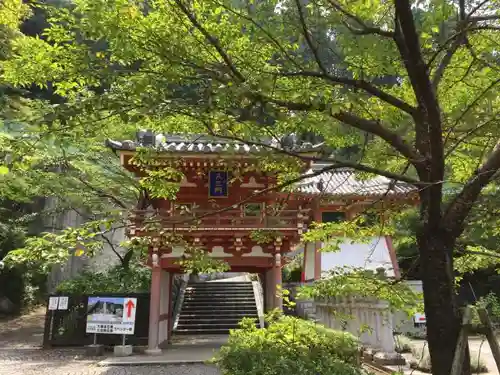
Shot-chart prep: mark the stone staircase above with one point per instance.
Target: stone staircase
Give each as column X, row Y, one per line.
column 215, row 307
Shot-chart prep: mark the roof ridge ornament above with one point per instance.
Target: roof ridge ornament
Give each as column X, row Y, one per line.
column 146, row 137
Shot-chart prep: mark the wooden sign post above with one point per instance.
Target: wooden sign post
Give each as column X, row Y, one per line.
column 487, row 330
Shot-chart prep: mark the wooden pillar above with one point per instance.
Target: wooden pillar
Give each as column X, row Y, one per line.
column 277, row 282
column 154, row 311
column 165, row 302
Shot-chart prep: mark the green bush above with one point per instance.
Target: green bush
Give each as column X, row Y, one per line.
column 422, row 361
column 403, row 344
column 490, row 302
column 115, row 280
column 288, row 346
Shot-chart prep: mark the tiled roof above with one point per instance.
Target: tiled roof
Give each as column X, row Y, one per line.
column 343, row 182
column 206, row 144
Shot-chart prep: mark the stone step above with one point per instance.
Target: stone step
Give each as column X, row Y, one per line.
column 220, row 287
column 203, row 318
column 212, row 331
column 219, row 307
column 219, row 298
column 215, row 308
column 230, row 283
column 229, row 301
column 225, row 292
column 197, row 327
column 213, row 320
column 219, row 293
column 221, row 312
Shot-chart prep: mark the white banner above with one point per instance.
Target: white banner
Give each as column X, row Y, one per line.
column 111, row 315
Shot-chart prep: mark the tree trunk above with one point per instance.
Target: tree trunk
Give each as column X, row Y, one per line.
column 441, row 307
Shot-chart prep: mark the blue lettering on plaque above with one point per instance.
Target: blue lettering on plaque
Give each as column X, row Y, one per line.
column 217, row 184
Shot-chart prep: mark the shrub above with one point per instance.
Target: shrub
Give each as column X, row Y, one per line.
column 422, row 361
column 288, row 346
column 477, row 363
column 403, row 344
column 115, row 280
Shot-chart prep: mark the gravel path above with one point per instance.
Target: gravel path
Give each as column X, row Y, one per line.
column 476, row 345
column 20, row 354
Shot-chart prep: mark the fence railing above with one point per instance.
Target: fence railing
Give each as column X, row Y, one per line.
column 67, row 327
column 234, row 218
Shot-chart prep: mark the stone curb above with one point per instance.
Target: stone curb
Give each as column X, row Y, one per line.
column 111, row 363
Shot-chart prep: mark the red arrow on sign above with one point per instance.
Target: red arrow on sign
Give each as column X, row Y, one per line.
column 130, row 305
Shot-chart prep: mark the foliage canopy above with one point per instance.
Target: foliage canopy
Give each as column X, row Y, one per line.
column 413, row 84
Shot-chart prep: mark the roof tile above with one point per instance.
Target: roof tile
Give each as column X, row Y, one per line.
column 344, row 182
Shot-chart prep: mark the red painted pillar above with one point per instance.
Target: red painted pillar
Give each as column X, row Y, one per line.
column 165, row 312
column 317, row 244
column 269, row 289
column 154, row 311
column 277, row 284
column 170, row 306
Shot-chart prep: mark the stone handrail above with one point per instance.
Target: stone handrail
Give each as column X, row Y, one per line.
column 367, row 318
column 259, row 300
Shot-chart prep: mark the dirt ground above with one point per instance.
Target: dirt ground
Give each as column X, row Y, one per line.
column 476, row 345
column 24, row 331
column 21, row 353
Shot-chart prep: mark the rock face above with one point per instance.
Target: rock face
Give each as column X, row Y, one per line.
column 6, row 306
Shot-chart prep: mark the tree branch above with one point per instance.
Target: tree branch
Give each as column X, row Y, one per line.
column 470, row 106
column 101, row 193
column 364, row 28
column 270, row 189
column 415, row 65
column 267, row 33
column 439, row 73
column 492, row 17
column 485, row 27
column 429, row 127
column 475, row 56
column 308, row 38
column 337, row 163
column 463, row 202
column 481, row 253
column 476, row 8
column 375, row 127
column 461, row 7
column 212, row 40
column 113, row 249
column 468, row 134
column 370, row 126
column 356, row 83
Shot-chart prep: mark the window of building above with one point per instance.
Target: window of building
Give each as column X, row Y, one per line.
column 252, row 209
column 332, row 217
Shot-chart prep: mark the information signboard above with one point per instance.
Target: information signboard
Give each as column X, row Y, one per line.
column 63, row 303
column 111, row 315
column 218, row 184
column 53, row 302
column 419, row 319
